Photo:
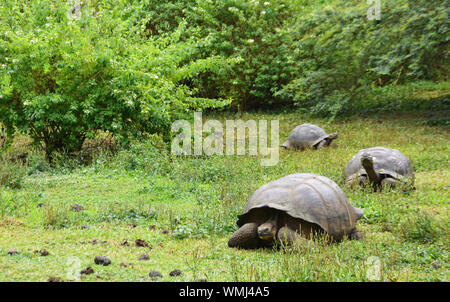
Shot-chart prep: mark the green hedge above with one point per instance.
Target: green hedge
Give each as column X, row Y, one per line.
column 63, row 79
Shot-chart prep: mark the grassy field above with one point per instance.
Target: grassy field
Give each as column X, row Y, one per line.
column 186, row 208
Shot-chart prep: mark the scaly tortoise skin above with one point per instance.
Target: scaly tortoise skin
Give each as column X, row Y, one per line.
column 308, row 136
column 379, row 167
column 294, row 207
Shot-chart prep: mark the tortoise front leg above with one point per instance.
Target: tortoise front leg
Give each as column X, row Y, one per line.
column 322, row 144
column 388, row 183
column 246, row 237
column 287, row 236
column 356, row 235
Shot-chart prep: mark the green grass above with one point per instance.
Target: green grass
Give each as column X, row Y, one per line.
column 198, row 198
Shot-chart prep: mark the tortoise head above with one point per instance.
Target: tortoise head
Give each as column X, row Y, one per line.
column 367, row 163
column 366, row 160
column 333, row 136
column 268, row 230
column 286, row 144
column 330, row 139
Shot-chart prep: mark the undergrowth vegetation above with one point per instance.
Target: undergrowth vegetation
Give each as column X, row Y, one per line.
column 88, row 95
column 186, row 208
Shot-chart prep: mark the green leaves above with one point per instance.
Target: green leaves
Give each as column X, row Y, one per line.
column 62, row 79
column 340, row 54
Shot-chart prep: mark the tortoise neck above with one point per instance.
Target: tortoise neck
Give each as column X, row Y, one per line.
column 374, row 177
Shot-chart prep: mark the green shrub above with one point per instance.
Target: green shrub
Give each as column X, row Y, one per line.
column 62, row 80
column 155, row 17
column 340, row 55
column 254, row 32
column 11, row 174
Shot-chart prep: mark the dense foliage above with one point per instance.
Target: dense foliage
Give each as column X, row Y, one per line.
column 131, row 67
column 320, row 55
column 64, row 78
column 342, row 55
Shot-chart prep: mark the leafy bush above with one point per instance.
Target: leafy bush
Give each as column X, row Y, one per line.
column 340, row 54
column 11, row 174
column 254, row 32
column 62, row 80
column 155, row 17
column 326, row 57
column 133, row 67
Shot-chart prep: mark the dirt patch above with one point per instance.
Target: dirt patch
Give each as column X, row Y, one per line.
column 142, row 243
column 87, row 271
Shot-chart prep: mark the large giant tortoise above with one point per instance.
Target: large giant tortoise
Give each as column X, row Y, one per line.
column 308, row 136
column 381, row 167
column 292, row 207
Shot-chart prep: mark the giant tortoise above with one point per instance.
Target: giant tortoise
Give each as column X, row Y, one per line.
column 381, row 167
column 294, row 207
column 308, row 136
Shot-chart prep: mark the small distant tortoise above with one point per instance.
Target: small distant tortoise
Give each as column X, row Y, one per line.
column 294, row 207
column 381, row 167
column 308, row 136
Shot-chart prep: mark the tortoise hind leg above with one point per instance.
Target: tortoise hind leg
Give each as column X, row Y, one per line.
column 246, row 237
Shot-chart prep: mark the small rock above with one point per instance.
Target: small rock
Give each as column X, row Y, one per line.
column 54, row 279
column 87, row 271
column 40, row 205
column 144, row 257
column 124, row 243
column 44, row 252
column 76, row 207
column 13, row 252
column 83, row 227
column 175, row 273
column 103, row 260
column 155, row 274
column 165, row 232
column 436, row 265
